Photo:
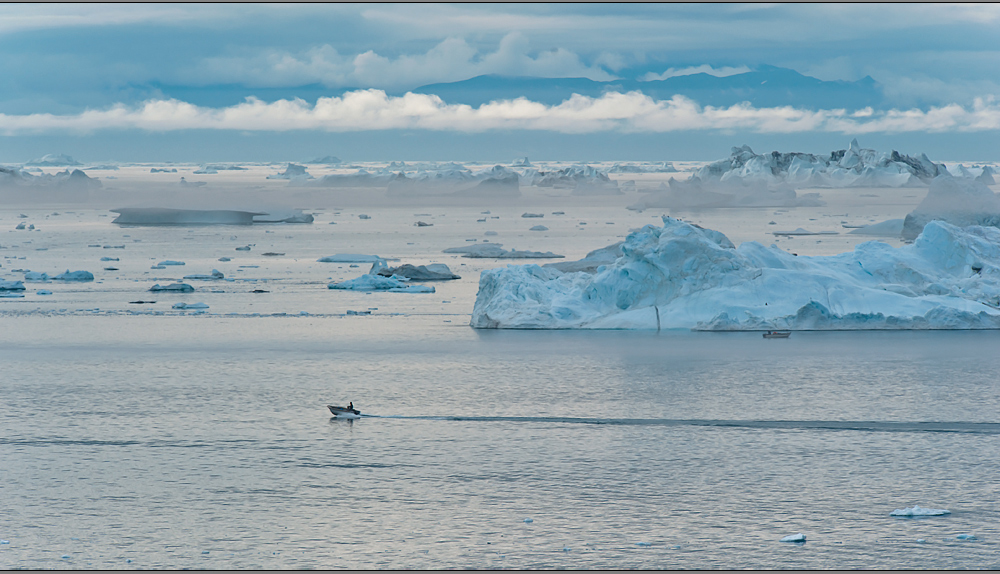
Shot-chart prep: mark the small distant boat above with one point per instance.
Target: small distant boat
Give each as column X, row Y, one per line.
column 777, row 334
column 345, row 412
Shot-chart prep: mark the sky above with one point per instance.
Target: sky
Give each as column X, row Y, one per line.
column 289, row 81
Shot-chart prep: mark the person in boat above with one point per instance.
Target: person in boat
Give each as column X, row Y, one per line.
column 350, row 406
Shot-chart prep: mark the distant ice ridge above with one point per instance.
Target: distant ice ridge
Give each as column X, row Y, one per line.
column 853, row 167
column 681, row 276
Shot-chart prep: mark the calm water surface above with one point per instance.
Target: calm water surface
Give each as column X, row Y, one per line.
column 204, row 442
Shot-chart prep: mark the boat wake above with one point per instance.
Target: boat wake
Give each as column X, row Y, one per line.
column 871, row 426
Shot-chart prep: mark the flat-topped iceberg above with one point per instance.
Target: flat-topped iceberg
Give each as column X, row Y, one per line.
column 166, row 216
column 11, row 285
column 74, row 276
column 495, row 251
column 681, row 276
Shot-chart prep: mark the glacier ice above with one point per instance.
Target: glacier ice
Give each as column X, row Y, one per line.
column 682, row 276
column 431, row 272
column 918, row 511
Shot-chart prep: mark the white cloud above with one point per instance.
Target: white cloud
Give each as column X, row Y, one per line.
column 720, row 72
column 368, row 110
column 451, row 60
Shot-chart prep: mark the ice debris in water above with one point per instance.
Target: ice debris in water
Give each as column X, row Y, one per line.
column 170, row 262
column 528, row 520
column 643, row 544
column 918, row 511
column 43, row 292
column 11, row 285
column 190, row 306
column 966, row 537
column 216, row 274
column 495, row 251
column 794, row 538
column 683, row 276
column 539, row 228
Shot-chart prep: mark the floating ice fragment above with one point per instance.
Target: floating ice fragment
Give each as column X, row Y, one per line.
column 43, row 292
column 169, row 262
column 11, row 285
column 364, row 216
column 966, row 537
column 566, row 548
column 643, row 544
column 157, row 267
column 177, row 287
column 539, row 228
column 528, row 520
column 4, row 541
column 224, row 259
column 918, row 511
column 371, row 282
column 532, row 215
column 110, row 258
column 216, row 274
column 244, row 248
column 794, row 538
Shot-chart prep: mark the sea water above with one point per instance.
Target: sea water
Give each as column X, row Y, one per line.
column 137, row 436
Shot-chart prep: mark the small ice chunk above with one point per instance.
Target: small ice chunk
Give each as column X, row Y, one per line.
column 566, row 548
column 190, row 306
column 423, row 224
column 539, row 228
column 43, row 292
column 966, row 537
column 20, row 225
column 224, row 259
column 170, row 262
column 216, row 274
column 532, row 215
column 371, row 282
column 794, row 538
column 157, row 267
column 643, row 544
column 528, row 520
column 110, row 258
column 918, row 511
column 11, row 285
column 244, row 248
column 364, row 216
column 490, row 233
column 176, row 287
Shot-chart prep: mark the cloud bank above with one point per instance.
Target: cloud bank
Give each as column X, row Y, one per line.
column 374, row 110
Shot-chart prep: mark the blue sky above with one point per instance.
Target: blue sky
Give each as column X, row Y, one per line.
column 123, row 81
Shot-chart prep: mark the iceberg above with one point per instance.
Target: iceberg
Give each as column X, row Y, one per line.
column 917, row 511
column 887, row 228
column 794, row 538
column 520, row 162
column 294, row 171
column 36, row 276
column 325, row 160
column 583, row 179
column 11, row 285
column 851, row 167
column 682, row 276
column 162, row 170
column 695, row 193
column 960, row 202
column 170, row 262
column 54, row 160
column 432, row 272
column 284, row 216
column 75, row 276
column 373, row 282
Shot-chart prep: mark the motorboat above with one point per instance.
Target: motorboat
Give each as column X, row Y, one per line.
column 777, row 334
column 348, row 412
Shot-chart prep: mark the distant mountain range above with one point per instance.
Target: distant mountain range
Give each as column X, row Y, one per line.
column 767, row 86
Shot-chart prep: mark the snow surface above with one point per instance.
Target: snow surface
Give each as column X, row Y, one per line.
column 918, row 511
column 681, row 276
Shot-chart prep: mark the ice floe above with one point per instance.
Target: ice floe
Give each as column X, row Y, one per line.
column 794, row 538
column 170, row 262
column 918, row 511
column 173, row 287
column 214, row 276
column 284, row 216
column 11, row 285
column 683, row 276
column 349, row 258
column 495, row 251
column 189, row 306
